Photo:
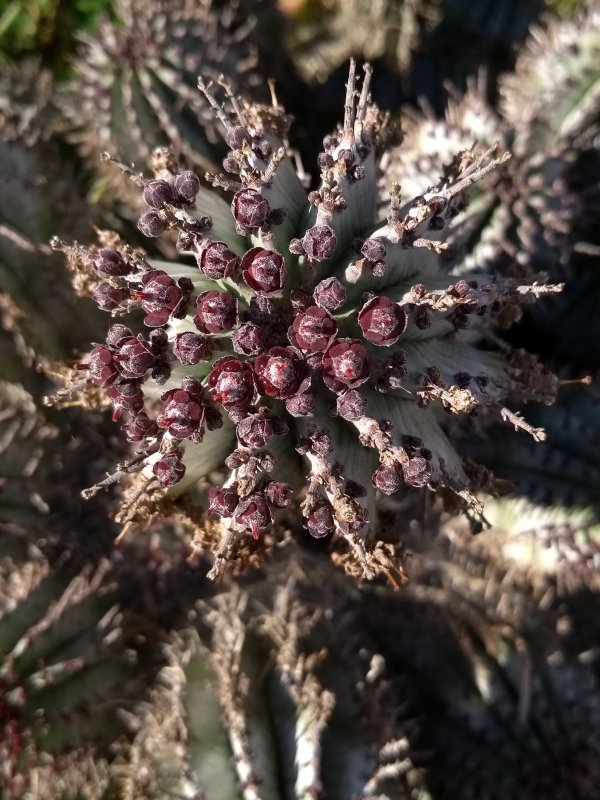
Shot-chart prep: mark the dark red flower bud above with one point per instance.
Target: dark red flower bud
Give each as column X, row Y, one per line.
column 216, row 312
column 109, row 263
column 237, row 136
column 140, row 427
column 223, row 502
column 373, row 249
column 330, row 294
column 187, row 185
column 345, row 365
column 253, row 513
column 216, row 261
column 351, row 405
column 264, row 270
column 248, row 339
column 190, row 348
column 312, row 330
column 254, row 430
column 320, row 523
column 249, row 207
column 278, row 494
column 151, row 224
column 169, row 470
column 134, row 358
column 281, row 372
column 102, row 367
column 158, row 194
column 301, row 405
column 319, row 242
column 382, row 322
column 109, row 297
column 117, row 334
column 387, row 479
column 182, row 414
column 417, row 472
column 325, row 161
column 232, row 383
column 126, row 396
column 161, row 298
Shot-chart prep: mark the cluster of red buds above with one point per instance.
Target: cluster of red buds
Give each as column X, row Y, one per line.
column 301, row 342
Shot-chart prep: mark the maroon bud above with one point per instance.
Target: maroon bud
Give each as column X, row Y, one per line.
column 109, row 264
column 182, row 414
column 278, row 494
column 325, row 161
column 351, row 405
column 381, row 321
column 216, row 312
column 249, row 208
column 158, row 194
column 117, row 334
column 151, row 224
column 108, row 297
column 134, row 358
column 330, row 294
column 169, row 470
column 232, row 383
column 161, row 298
column 320, row 523
column 223, row 502
column 253, row 513
column 231, row 164
column 139, row 428
column 277, row 216
column 187, row 185
column 387, row 479
column 373, row 249
column 319, row 242
column 417, row 472
column 422, row 318
column 254, row 430
column 190, row 348
column 216, row 261
column 237, row 136
column 248, row 339
column 102, row 367
column 296, row 247
column 125, row 397
column 345, row 364
column 301, row 405
column 312, row 330
column 264, row 271
column 281, row 372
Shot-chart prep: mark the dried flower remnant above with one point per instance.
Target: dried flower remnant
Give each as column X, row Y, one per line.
column 309, row 347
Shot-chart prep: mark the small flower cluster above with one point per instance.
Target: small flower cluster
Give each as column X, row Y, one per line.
column 300, row 341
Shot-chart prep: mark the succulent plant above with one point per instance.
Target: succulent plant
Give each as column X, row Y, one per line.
column 301, row 341
column 135, row 84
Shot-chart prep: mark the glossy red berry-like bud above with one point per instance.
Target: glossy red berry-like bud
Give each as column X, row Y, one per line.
column 134, row 358
column 351, row 405
column 232, row 383
column 190, row 348
column 140, row 427
column 281, row 372
column 237, row 136
column 117, row 334
column 108, row 297
column 373, row 249
column 278, row 494
column 109, row 263
column 313, row 330
column 158, row 194
column 264, row 271
column 217, row 261
column 382, row 321
column 250, row 209
column 301, row 405
column 330, row 294
column 254, row 431
column 319, row 242
column 102, row 366
column 320, row 523
column 169, row 470
column 125, row 396
column 187, row 186
column 151, row 224
column 253, row 513
column 345, row 365
column 223, row 502
column 216, row 312
column 248, row 340
column 387, row 479
column 161, row 298
column 182, row 414
column 417, row 472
